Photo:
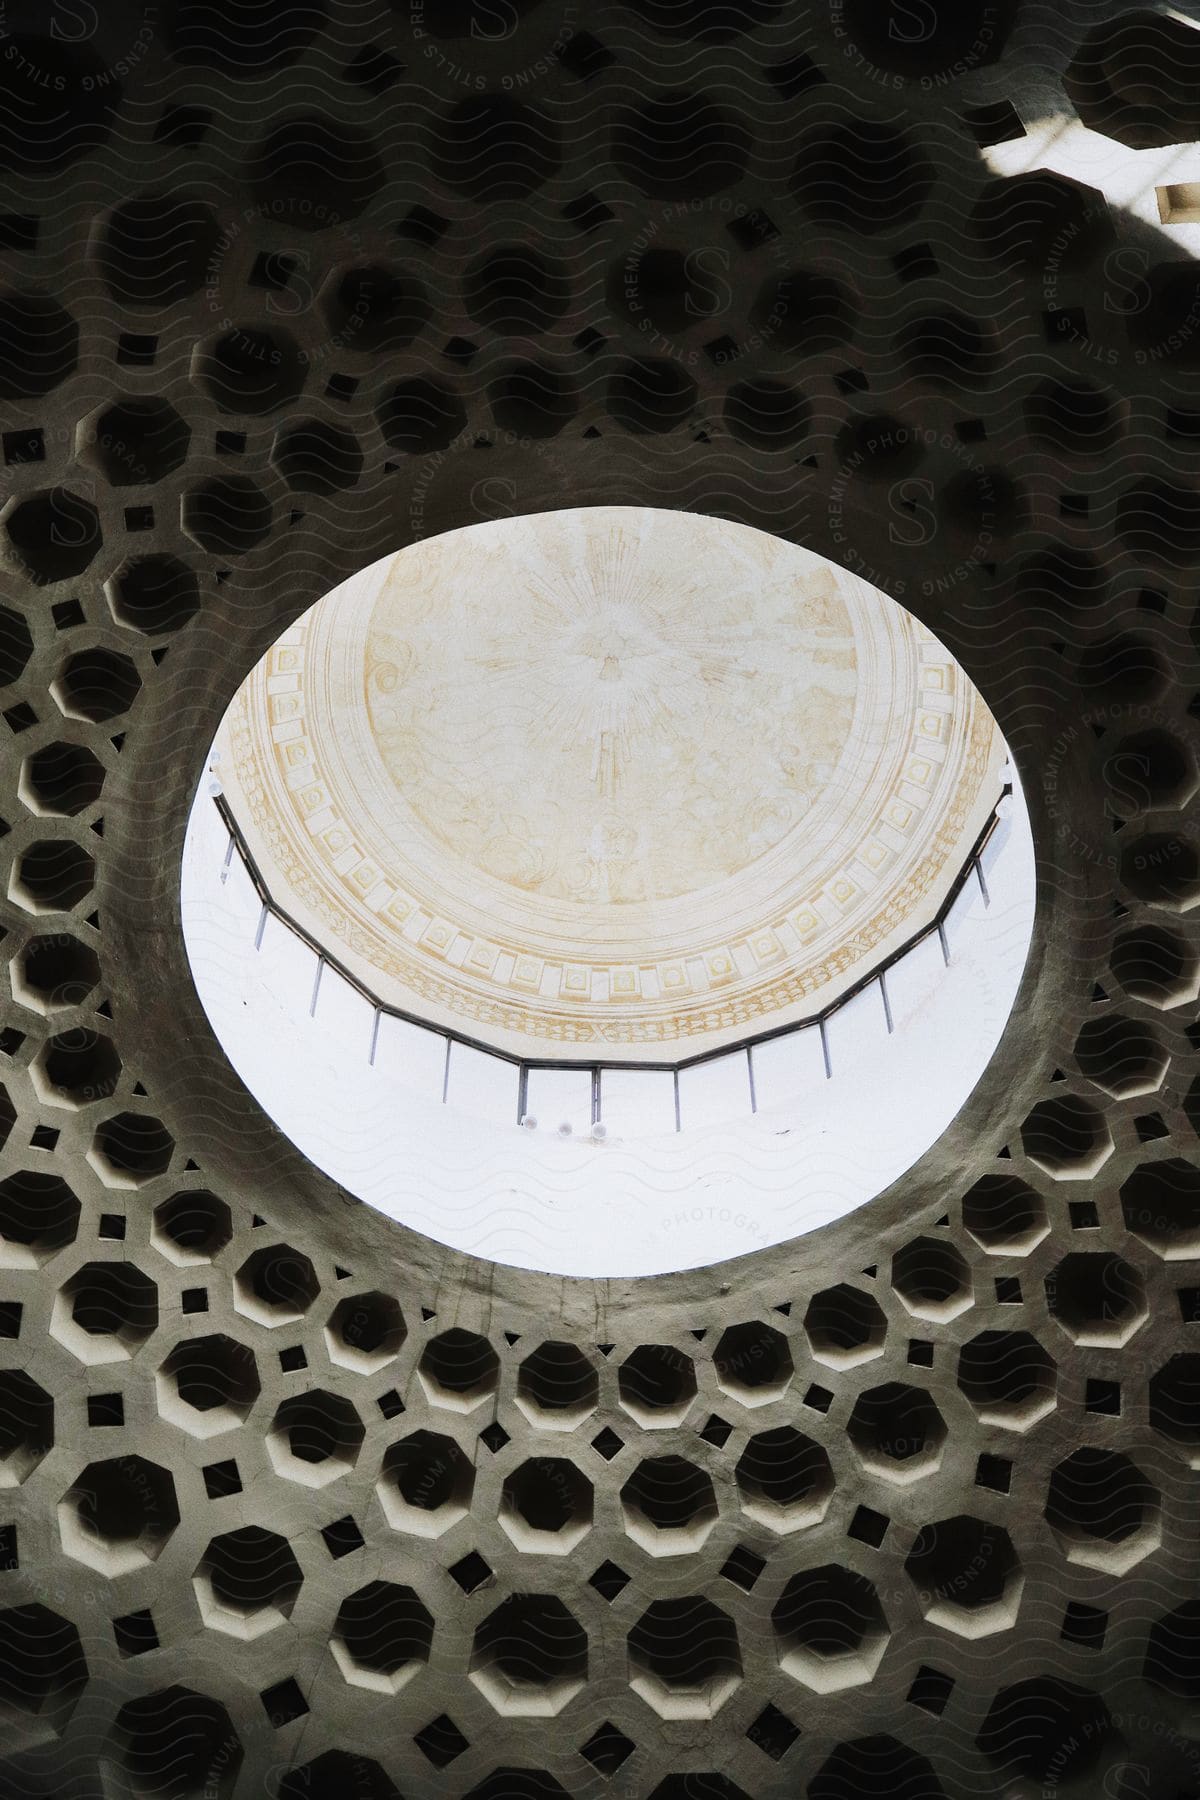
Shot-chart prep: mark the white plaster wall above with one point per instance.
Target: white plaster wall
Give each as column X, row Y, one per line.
column 648, row 1198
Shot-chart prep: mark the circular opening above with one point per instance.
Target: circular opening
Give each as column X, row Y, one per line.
column 706, row 846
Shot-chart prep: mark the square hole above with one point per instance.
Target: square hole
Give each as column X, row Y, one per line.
column 930, row 1690
column 374, row 69
column 470, row 1572
column 1083, row 1215
column 608, row 1581
column 136, row 350
column 587, row 213
column 1065, row 324
column 868, row 1527
column 584, row 56
column 589, row 341
column 607, row 1444
column 423, row 226
column 19, row 231
column 743, row 1567
column 10, row 1318
column 607, row 1749
column 1103, row 1397
column 773, row 1732
column 1008, row 1290
column 135, row 1633
column 8, row 1548
column 494, row 1436
column 851, row 381
column 139, row 518
column 1084, row 1625
column 794, row 77
column 230, row 443
column 27, row 446
column 1073, row 506
column 970, row 431
column 342, row 1537
column 11, row 1040
column 1149, row 1127
column 20, row 718
column 1189, row 1304
column 112, row 1225
column 920, row 1353
column 44, row 1137
column 221, row 1479
column 105, row 1409
column 820, row 1399
column 182, row 126
column 441, row 1741
column 752, row 229
column 390, row 1404
column 993, row 1472
column 722, row 350
column 916, row 261
column 284, row 1703
column 997, row 123
column 341, row 387
column 66, row 613
column 460, row 350
column 273, row 269
column 194, row 1300
column 716, row 1431
column 293, row 1358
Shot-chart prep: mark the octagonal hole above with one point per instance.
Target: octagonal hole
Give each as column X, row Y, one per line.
column 138, row 440
column 966, row 1574
column 365, row 1331
column 1148, row 770
column 1008, row 1378
column 61, row 779
column 656, row 1384
column 191, row 1227
column 118, row 1514
column 530, row 1656
column 1162, row 868
column 157, row 248
column 249, row 370
column 42, row 1666
column 275, row 1285
column 557, row 1385
column 313, row 173
column 678, row 144
column 228, row 515
column 875, row 1768
column 878, row 447
column 26, row 1426
column 1097, row 1297
column 784, row 1479
column 830, row 1629
column 861, row 175
column 768, row 415
column 459, row 1369
column 39, row 346
column 753, row 1363
column 55, row 973
column 1068, row 1138
column 1125, row 669
column 844, row 1326
column 650, row 395
column 1159, row 522
column 1102, row 1509
column 420, row 416
column 492, row 147
column 1046, row 1730
column 1155, row 965
column 532, row 400
column 39, row 1215
column 546, row 1498
column 1172, row 1660
column 897, row 1431
column 1026, row 220
column 947, row 349
column 806, row 311
column 1160, row 1203
column 1121, row 1056
column 53, row 535
column 208, row 1384
column 335, row 1775
column 1075, row 417
column 376, row 309
column 516, row 292
column 1005, row 1216
column 248, row 1580
column 669, row 1506
column 317, row 458
column 954, row 36
column 932, row 1278
column 1134, row 79
column 315, row 1437
column 76, row 1067
column 684, row 1658
column 131, row 1148
column 426, row 1483
column 52, row 875
column 663, row 285
column 1175, row 1401
column 105, row 1311
column 177, row 1744
column 155, row 594
column 382, row 1635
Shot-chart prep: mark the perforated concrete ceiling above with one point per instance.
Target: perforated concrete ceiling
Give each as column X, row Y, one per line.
column 298, row 1503
column 609, row 779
